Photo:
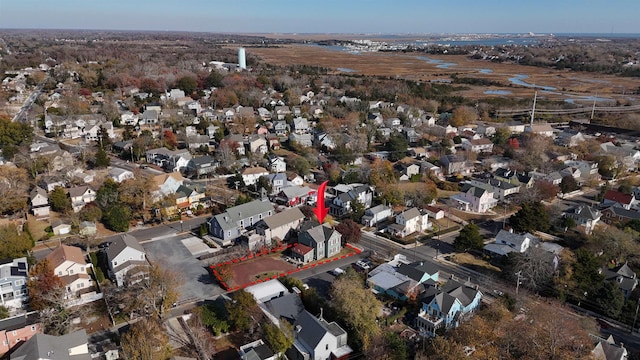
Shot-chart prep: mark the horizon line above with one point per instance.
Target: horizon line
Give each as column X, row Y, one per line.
column 525, row 33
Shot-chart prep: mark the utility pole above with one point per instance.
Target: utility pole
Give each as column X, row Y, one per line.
column 519, row 274
column 593, row 109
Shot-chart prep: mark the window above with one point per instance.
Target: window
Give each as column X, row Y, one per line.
column 60, row 273
column 80, row 285
column 82, row 269
column 71, row 272
column 33, row 328
column 18, row 282
column 326, row 347
column 115, row 263
column 14, row 333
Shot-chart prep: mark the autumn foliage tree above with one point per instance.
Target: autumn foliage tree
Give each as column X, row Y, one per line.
column 147, row 340
column 350, row 231
column 170, row 139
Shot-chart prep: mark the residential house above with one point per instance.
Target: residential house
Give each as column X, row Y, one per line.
column 61, row 226
column 81, row 196
column 251, row 175
column 539, row 129
column 475, row 198
column 70, row 266
column 49, row 183
column 507, row 242
column 18, row 329
column 408, row 222
column 501, row 189
column 406, row 171
column 276, row 164
column 257, row 350
column 128, row 118
column 570, row 138
column 447, row 307
column 282, row 112
column 376, row 214
column 626, row 157
column 300, row 125
column 14, row 274
column 616, row 215
column 616, row 198
column 434, row 212
column 167, row 184
column 393, row 122
column 280, row 128
column 278, row 226
column 584, row 216
column 624, row 277
column 402, row 279
column 325, row 241
column 493, row 163
column 294, row 179
column 455, row 164
column 119, row 174
column 345, row 195
column 232, row 223
column 267, row 291
column 278, row 181
column 264, row 114
column 317, row 339
column 127, row 260
column 430, row 169
column 411, row 135
column 273, row 141
column 296, row 195
column 303, row 140
column 149, row 117
column 257, row 144
column 302, row 253
column 482, row 145
column 87, row 228
column 41, row 346
column 171, row 160
column 514, row 177
column 514, row 127
column 201, row 166
column 189, row 196
column 39, row 202
column 196, row 142
column 607, row 349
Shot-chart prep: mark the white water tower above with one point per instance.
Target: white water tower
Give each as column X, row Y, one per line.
column 242, row 59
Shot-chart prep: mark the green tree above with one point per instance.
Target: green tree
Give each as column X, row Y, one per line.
column 279, row 338
column 213, row 318
column 568, row 184
column 187, row 84
column 532, row 216
column 14, row 243
column 397, row 146
column 501, row 136
column 108, row 194
column 263, row 183
column 468, row 239
column 609, row 299
column 300, row 165
column 13, row 134
column 214, row 79
column 102, row 159
column 243, row 311
column 357, row 210
column 586, row 271
column 90, row 212
column 4, row 312
column 357, row 305
column 59, row 200
column 116, row 218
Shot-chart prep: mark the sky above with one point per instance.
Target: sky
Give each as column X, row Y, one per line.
column 328, row 16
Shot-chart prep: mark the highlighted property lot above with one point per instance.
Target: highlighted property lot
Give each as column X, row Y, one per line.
column 241, row 272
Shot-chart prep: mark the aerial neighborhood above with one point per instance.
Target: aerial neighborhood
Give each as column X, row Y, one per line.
column 216, row 205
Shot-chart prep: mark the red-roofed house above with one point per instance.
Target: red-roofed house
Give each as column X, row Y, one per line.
column 612, row 197
column 302, row 253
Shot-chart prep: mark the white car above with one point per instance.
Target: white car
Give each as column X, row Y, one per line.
column 337, row 271
column 363, row 264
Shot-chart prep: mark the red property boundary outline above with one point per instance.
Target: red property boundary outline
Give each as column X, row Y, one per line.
column 266, row 252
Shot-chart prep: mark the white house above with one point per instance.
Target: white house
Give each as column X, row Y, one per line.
column 409, row 222
column 70, row 266
column 167, row 184
column 475, row 198
column 251, row 175
column 316, row 339
column 508, row 241
column 81, row 196
column 39, row 202
column 119, row 174
column 127, row 260
column 376, row 214
column 278, row 226
column 277, row 164
column 481, row 145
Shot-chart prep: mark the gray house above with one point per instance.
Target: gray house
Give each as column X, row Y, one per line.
column 202, row 165
column 232, row 223
column 317, row 339
column 325, row 241
column 127, row 260
column 41, row 346
column 13, row 282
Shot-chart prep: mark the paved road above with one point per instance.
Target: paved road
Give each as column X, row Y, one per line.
column 29, row 102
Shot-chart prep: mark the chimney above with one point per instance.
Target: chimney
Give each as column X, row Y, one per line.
column 511, row 231
column 321, row 311
column 298, row 328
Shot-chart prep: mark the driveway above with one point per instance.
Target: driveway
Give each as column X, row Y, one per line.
column 195, row 283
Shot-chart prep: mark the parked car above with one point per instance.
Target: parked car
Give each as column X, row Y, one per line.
column 364, row 264
column 337, row 271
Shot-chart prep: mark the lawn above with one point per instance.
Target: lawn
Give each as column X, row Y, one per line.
column 472, row 262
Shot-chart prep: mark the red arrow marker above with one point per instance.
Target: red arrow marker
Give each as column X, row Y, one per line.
column 320, row 210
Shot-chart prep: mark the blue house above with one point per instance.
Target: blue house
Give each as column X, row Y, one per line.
column 446, row 307
column 232, row 223
column 401, row 279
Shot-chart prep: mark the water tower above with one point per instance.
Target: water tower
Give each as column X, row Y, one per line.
column 242, row 59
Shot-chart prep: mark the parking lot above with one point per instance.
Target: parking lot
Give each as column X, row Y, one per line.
column 172, row 254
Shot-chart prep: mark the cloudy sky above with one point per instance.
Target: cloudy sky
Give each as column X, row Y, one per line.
column 328, row 16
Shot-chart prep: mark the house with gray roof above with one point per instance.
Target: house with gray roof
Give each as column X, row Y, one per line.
column 501, row 189
column 278, row 226
column 295, row 195
column 300, row 125
column 624, row 277
column 127, row 260
column 507, row 242
column 376, row 214
column 317, row 339
column 346, row 194
column 607, row 349
column 232, row 223
column 39, row 202
column 257, row 350
column 408, row 222
column 476, row 198
column 325, row 241
column 446, row 307
column 73, row 346
column 455, row 164
column 201, row 166
column 585, row 216
column 402, row 279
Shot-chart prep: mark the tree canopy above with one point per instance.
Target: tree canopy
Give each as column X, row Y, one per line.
column 532, row 216
column 14, row 243
column 350, row 231
column 468, row 239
